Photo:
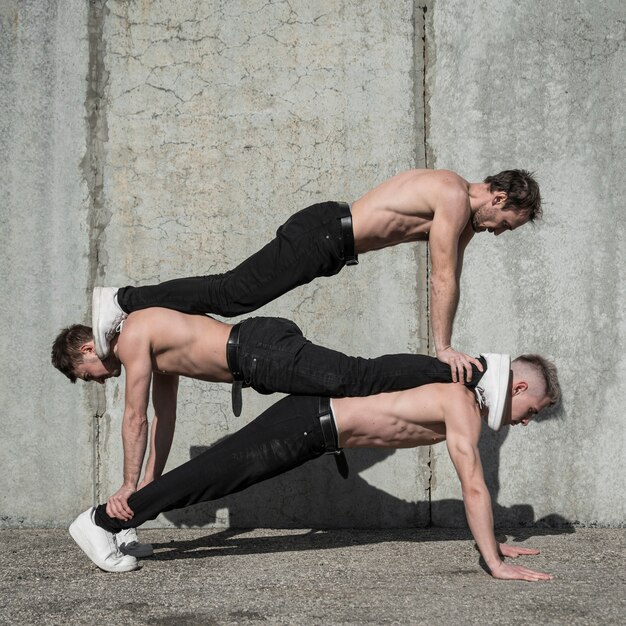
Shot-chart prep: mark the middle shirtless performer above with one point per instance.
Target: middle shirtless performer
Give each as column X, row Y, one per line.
column 156, row 346
column 437, row 206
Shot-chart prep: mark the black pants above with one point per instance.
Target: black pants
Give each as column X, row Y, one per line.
column 274, row 356
column 285, row 436
column 308, row 245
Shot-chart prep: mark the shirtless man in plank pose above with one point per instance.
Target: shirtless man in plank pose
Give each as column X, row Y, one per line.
column 437, row 206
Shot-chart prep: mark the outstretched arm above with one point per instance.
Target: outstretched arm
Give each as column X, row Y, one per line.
column 449, row 235
column 135, row 356
column 462, row 433
column 164, row 392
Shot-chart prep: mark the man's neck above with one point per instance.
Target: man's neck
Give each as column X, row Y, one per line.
column 478, row 196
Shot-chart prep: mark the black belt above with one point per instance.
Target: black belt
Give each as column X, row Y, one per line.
column 331, row 436
column 347, row 234
column 232, row 358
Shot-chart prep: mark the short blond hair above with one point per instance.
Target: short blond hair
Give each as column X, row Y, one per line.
column 548, row 372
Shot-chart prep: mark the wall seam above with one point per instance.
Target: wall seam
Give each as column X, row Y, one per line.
column 97, row 218
column 428, row 329
column 421, row 148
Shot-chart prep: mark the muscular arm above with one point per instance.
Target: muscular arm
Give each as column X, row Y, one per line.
column 462, row 433
column 449, row 235
column 164, row 392
column 134, row 353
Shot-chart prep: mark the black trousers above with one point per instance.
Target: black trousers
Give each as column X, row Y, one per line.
column 274, row 356
column 308, row 245
column 285, row 436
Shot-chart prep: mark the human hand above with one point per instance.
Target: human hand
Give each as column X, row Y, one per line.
column 117, row 504
column 514, row 551
column 460, row 364
column 504, row 571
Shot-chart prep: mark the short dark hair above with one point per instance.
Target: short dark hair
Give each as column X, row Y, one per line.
column 547, row 370
column 66, row 352
column 522, row 191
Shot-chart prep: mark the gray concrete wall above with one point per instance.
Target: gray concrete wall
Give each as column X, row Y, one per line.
column 222, row 122
column 542, row 86
column 46, row 442
column 160, row 139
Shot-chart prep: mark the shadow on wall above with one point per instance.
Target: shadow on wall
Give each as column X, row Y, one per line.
column 315, row 496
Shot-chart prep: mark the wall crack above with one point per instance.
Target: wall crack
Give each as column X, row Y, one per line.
column 93, row 171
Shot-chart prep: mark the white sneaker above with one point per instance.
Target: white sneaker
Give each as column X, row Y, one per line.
column 99, row 544
column 106, row 316
column 128, row 543
column 494, row 387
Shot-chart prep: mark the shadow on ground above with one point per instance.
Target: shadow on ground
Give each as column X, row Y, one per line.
column 236, row 542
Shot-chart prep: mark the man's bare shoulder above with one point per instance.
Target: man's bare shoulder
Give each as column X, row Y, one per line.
column 449, row 177
column 452, row 396
column 461, row 410
column 438, row 400
column 135, row 332
column 460, row 396
column 451, row 189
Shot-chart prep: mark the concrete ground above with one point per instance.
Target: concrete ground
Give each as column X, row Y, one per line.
column 422, row 576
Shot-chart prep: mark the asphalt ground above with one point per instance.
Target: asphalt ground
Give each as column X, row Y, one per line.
column 420, row 576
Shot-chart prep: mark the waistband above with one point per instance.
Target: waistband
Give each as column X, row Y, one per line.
column 331, row 436
column 347, row 234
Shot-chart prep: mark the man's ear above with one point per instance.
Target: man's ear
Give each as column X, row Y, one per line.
column 499, row 199
column 519, row 386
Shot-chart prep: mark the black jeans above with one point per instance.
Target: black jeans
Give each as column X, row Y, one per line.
column 285, row 436
column 274, row 356
column 308, row 245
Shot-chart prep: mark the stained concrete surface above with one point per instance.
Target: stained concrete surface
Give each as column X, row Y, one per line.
column 428, row 576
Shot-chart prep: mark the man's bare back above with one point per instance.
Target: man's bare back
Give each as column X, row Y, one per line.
column 402, row 208
column 178, row 344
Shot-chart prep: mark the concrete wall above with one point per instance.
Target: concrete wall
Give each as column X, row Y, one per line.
column 542, row 86
column 221, row 124
column 46, row 442
column 149, row 140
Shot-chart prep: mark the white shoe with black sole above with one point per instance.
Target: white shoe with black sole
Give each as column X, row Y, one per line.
column 99, row 544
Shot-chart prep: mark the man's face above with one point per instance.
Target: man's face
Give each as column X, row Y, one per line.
column 93, row 369
column 526, row 403
column 497, row 220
